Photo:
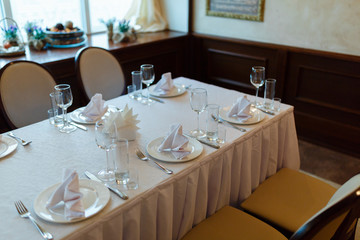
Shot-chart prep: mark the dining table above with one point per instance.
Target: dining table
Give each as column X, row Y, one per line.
column 164, row 206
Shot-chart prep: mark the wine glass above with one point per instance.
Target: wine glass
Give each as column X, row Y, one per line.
column 64, row 100
column 104, row 138
column 198, row 102
column 147, row 77
column 257, row 78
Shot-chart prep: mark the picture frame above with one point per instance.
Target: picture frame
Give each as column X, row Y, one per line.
column 252, row 10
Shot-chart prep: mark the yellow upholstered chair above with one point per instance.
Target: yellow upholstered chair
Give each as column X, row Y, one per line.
column 334, row 221
column 98, row 71
column 289, row 198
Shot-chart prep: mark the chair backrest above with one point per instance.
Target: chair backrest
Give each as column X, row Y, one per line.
column 337, row 220
column 98, row 71
column 24, row 89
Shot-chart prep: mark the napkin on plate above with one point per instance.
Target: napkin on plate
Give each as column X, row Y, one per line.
column 69, row 193
column 123, row 123
column 241, row 109
column 95, row 109
column 165, row 85
column 175, row 142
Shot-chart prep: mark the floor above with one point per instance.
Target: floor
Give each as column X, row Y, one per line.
column 327, row 163
column 330, row 165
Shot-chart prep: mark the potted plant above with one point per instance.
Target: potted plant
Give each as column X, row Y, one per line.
column 125, row 32
column 38, row 39
column 109, row 26
column 11, row 36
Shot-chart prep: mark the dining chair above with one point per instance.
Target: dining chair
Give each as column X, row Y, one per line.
column 335, row 221
column 24, row 92
column 288, row 198
column 98, row 71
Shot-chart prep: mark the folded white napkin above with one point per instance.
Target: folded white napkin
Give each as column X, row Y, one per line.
column 69, row 193
column 123, row 123
column 241, row 109
column 95, row 109
column 165, row 84
column 175, row 142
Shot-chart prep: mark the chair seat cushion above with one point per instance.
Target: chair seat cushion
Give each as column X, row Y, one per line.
column 289, row 198
column 230, row 223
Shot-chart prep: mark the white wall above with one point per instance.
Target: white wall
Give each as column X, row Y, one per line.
column 177, row 14
column 328, row 25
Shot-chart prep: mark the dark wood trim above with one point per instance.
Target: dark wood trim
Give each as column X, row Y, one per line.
column 322, row 86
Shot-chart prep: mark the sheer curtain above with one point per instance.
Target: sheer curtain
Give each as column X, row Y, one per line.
column 148, row 14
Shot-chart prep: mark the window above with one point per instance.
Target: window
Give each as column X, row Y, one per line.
column 106, row 9
column 84, row 14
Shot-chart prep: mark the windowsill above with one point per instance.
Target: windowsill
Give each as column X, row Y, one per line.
column 52, row 55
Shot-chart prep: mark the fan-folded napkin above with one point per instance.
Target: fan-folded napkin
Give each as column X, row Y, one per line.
column 175, row 142
column 69, row 193
column 123, row 123
column 241, row 109
column 95, row 109
column 165, row 84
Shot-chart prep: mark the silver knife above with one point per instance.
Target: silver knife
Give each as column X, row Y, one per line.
column 157, row 100
column 78, row 126
column 220, row 120
column 266, row 111
column 214, row 145
column 115, row 190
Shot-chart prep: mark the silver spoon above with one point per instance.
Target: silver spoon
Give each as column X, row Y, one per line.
column 22, row 141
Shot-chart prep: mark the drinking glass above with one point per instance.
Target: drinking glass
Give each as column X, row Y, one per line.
column 64, row 101
column 257, row 77
column 105, row 137
column 147, row 77
column 136, row 80
column 198, row 102
column 211, row 121
column 269, row 93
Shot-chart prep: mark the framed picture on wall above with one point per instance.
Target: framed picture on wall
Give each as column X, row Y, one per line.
column 242, row 9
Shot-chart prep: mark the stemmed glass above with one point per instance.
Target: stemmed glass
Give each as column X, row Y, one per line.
column 198, row 102
column 147, row 77
column 64, row 100
column 257, row 77
column 105, row 137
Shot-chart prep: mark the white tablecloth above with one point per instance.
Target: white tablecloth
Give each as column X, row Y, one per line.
column 164, row 206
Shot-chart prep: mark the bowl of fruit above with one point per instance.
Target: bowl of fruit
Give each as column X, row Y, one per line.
column 65, row 35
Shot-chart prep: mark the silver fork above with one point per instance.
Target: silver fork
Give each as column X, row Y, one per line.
column 22, row 141
column 22, row 210
column 145, row 158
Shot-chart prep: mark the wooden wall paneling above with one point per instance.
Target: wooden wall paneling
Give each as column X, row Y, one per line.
column 228, row 63
column 324, row 91
column 322, row 87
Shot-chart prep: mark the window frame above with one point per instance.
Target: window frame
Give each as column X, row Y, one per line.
column 84, row 9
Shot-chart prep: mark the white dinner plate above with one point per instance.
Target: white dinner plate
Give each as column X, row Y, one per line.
column 176, row 91
column 257, row 116
column 95, row 198
column 7, row 145
column 76, row 115
column 152, row 149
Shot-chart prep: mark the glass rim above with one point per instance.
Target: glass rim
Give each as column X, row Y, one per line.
column 198, row 90
column 62, row 86
column 270, row 80
column 135, row 72
column 258, row 67
column 146, row 66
